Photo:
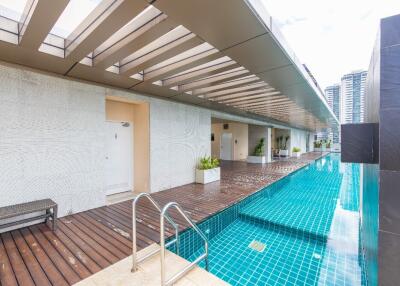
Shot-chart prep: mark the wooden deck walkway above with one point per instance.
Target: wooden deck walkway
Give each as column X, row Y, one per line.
column 87, row 242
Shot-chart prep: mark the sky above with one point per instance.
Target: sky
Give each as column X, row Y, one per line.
column 331, row 37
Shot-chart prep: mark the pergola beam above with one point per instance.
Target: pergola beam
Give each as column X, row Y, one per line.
column 105, row 20
column 135, row 64
column 135, row 40
column 212, row 80
column 199, row 72
column 37, row 20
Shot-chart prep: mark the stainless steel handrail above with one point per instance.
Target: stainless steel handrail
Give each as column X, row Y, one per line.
column 135, row 261
column 204, row 256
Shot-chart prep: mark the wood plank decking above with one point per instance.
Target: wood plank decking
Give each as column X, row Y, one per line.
column 87, row 242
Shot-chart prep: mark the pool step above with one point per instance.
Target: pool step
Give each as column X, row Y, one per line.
column 148, row 272
column 291, row 231
column 310, row 218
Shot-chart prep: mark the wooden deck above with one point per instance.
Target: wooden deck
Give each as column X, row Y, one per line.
column 87, row 242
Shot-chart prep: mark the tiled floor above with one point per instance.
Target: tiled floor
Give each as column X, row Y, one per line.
column 89, row 241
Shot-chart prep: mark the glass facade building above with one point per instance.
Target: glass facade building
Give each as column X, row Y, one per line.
column 352, row 97
column 332, row 94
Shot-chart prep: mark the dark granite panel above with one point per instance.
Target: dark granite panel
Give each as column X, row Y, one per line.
column 375, row 146
column 389, row 198
column 390, row 31
column 390, row 68
column 389, row 259
column 358, row 143
column 389, row 139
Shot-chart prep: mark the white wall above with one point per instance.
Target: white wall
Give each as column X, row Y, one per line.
column 298, row 138
column 179, row 135
column 52, row 142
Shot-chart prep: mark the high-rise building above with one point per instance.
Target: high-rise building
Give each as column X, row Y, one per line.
column 332, row 94
column 352, row 97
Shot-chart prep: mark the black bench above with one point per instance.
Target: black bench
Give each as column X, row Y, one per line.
column 26, row 208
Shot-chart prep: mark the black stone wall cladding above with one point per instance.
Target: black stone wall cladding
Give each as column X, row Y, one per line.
column 389, row 146
column 360, row 143
column 378, row 142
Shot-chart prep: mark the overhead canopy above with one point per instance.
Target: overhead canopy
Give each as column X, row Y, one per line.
column 226, row 55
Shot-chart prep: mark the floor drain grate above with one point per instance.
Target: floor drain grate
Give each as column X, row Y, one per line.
column 257, row 246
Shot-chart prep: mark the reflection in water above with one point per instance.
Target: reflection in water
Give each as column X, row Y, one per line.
column 341, row 259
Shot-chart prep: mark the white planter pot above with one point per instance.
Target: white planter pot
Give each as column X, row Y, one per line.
column 283, row 153
column 317, row 149
column 296, row 154
column 256, row 159
column 208, row 176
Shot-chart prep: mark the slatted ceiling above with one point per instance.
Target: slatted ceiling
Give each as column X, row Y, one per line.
column 168, row 45
column 259, row 96
column 171, row 36
column 160, row 54
column 230, row 91
column 139, row 37
column 37, row 22
column 239, row 94
column 215, row 79
column 249, row 98
column 211, row 68
column 200, row 49
column 268, row 100
column 105, row 20
column 234, row 83
column 181, row 65
column 141, row 20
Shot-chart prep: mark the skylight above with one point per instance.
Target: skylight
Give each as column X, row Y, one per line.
column 12, row 9
column 75, row 12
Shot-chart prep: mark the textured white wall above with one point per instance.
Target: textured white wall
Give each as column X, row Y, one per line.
column 179, row 135
column 51, row 140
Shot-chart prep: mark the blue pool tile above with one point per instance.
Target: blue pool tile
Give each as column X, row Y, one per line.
column 309, row 222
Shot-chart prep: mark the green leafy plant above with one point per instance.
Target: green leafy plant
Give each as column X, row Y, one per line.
column 279, row 141
column 286, row 141
column 259, row 150
column 328, row 144
column 207, row 162
column 296, row 149
column 317, row 144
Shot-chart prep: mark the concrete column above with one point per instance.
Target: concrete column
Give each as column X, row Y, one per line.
column 268, row 145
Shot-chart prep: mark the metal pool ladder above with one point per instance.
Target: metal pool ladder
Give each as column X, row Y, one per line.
column 164, row 215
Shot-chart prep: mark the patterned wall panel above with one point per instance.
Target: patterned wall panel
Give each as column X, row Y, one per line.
column 179, row 135
column 51, row 140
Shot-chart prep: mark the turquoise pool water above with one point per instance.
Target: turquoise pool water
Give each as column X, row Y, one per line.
column 307, row 227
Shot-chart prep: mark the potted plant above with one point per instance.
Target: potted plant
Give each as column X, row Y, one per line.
column 258, row 154
column 328, row 145
column 296, row 152
column 208, row 170
column 283, row 151
column 318, row 146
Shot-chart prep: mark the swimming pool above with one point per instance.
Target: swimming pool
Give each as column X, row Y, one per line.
column 301, row 230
